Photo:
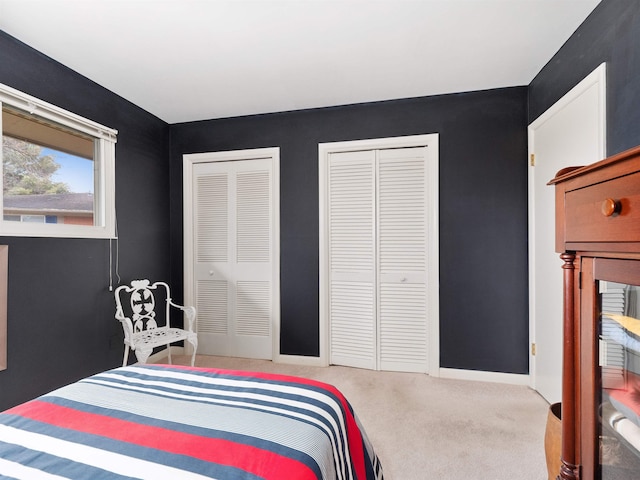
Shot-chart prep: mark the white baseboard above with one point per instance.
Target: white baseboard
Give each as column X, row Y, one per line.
column 480, row 376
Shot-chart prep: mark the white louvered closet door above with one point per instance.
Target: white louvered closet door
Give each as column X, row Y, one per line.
column 378, row 259
column 233, row 266
column 402, row 259
column 352, row 290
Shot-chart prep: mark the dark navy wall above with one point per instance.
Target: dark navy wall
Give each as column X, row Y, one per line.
column 610, row 34
column 483, row 212
column 60, row 312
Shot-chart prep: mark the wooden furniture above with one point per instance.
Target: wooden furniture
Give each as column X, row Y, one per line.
column 598, row 237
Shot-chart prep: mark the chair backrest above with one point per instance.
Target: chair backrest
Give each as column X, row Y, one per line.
column 143, row 305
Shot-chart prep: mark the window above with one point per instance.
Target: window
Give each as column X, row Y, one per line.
column 25, row 218
column 58, row 171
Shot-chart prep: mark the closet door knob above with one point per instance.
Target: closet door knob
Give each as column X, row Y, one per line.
column 611, row 207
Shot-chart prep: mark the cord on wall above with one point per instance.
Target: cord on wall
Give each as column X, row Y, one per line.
column 117, row 259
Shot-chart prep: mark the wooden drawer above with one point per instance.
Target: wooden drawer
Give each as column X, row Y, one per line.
column 587, row 218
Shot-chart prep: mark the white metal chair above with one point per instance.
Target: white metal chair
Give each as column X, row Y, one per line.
column 147, row 327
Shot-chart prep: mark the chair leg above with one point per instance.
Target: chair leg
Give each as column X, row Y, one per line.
column 142, row 354
column 169, row 353
column 193, row 340
column 126, row 356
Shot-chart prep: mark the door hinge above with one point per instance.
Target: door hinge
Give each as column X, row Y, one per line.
column 533, row 349
column 579, row 280
column 532, row 160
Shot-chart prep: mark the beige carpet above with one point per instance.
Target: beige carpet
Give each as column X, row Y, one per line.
column 430, row 428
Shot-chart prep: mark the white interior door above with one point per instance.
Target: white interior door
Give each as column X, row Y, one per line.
column 378, row 255
column 570, row 133
column 234, row 281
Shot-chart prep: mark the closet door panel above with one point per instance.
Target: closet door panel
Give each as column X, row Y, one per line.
column 402, row 327
column 253, row 257
column 402, row 259
column 353, row 335
column 212, row 246
column 352, row 312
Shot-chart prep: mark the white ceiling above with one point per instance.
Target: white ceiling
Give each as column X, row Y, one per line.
column 186, row 60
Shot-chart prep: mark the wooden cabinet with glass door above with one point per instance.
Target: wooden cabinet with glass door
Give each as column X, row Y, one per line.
column 598, row 238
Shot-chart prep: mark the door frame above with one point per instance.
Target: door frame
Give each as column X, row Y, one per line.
column 433, row 272
column 596, row 78
column 188, row 161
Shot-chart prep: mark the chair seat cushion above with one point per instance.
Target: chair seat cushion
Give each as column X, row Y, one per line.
column 159, row 336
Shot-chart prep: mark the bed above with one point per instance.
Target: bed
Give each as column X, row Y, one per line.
column 182, row 423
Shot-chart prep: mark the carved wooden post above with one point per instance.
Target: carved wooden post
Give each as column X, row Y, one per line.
column 568, row 469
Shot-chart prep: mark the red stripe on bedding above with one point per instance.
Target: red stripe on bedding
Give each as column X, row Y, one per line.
column 356, row 447
column 263, row 463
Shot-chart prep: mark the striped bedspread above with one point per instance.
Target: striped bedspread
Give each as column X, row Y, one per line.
column 181, row 423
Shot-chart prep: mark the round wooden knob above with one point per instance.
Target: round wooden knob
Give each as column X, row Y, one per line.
column 610, row 207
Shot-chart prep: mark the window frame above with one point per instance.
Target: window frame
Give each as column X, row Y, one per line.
column 104, row 158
